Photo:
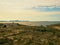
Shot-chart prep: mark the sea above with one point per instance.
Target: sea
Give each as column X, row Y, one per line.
column 36, row 23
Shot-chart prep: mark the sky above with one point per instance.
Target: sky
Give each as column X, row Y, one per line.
column 31, row 10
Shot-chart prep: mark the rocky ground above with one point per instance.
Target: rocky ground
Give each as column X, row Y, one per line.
column 17, row 34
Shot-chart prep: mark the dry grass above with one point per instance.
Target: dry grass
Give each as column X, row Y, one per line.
column 17, row 34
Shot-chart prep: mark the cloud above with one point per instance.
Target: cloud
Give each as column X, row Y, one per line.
column 43, row 5
column 29, row 9
column 46, row 8
column 14, row 4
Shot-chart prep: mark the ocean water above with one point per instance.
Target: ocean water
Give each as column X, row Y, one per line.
column 36, row 23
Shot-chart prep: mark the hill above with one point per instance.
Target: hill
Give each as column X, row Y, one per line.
column 18, row 34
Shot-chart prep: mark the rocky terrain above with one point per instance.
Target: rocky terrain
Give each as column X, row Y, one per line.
column 18, row 34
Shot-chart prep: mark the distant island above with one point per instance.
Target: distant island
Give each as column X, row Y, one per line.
column 13, row 21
